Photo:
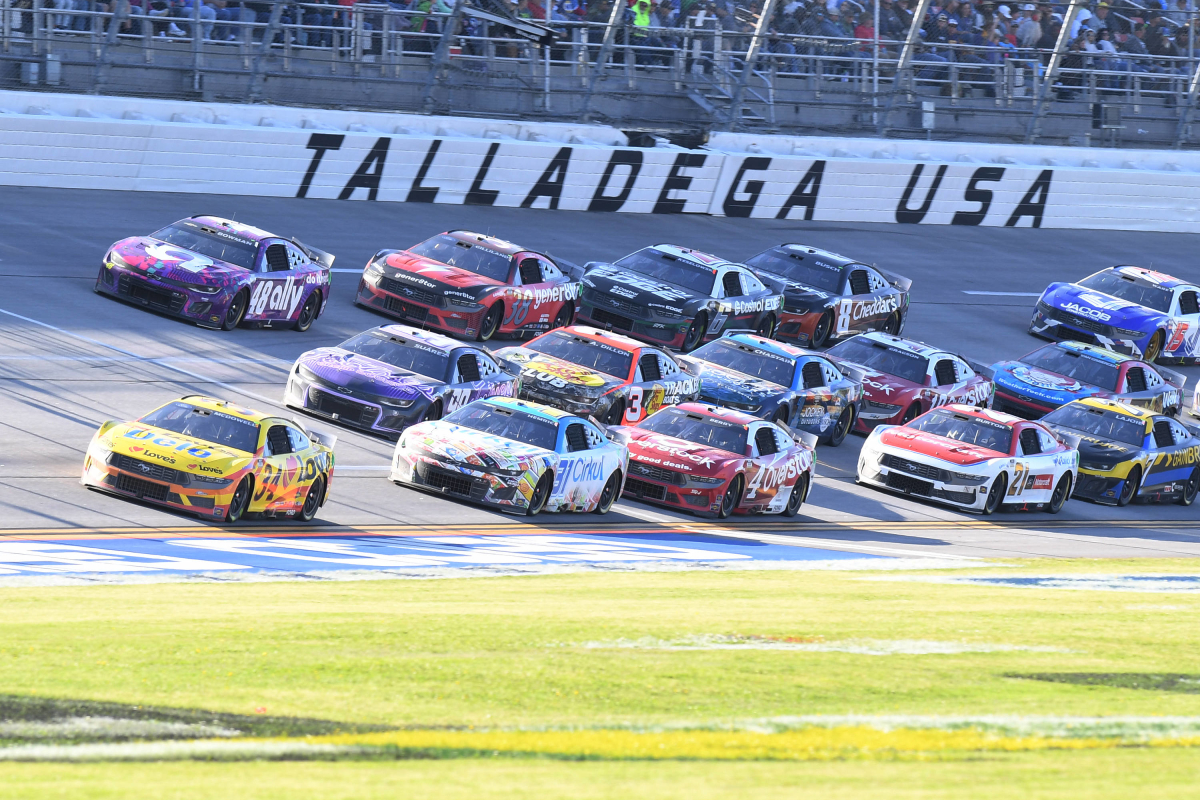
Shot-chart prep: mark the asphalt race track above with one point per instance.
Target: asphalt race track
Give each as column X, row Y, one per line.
column 69, row 359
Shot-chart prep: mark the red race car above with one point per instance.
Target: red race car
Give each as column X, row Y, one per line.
column 716, row 462
column 472, row 285
column 903, row 379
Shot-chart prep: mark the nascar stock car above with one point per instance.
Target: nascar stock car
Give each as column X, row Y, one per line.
column 1134, row 310
column 595, row 373
column 1056, row 374
column 676, row 297
column 514, row 455
column 219, row 273
column 779, row 382
column 471, row 285
column 973, row 459
column 1128, row 453
column 716, row 461
column 828, row 296
column 213, row 459
column 903, row 379
column 393, row 376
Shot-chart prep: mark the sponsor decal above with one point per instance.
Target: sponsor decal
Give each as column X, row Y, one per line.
column 1046, row 380
column 564, row 292
column 775, row 475
column 1041, row 482
column 194, row 449
column 178, row 258
column 662, row 290
column 1084, row 311
column 695, row 458
column 854, row 310
column 622, row 291
column 278, row 296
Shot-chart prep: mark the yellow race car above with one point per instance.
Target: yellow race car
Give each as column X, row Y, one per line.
column 214, row 459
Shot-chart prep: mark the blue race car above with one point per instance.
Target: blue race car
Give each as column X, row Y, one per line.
column 779, row 382
column 1130, row 309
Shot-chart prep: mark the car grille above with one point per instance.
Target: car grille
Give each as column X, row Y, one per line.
column 965, row 498
column 641, row 488
column 1093, row 485
column 451, row 481
column 154, row 491
column 406, row 310
column 410, row 292
column 910, row 468
column 1004, row 406
column 607, row 301
column 346, row 410
column 149, row 469
column 695, row 499
column 606, row 317
column 151, row 295
column 908, row 485
column 657, row 473
column 1074, row 320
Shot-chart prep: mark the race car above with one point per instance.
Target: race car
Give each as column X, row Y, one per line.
column 219, row 273
column 393, row 376
column 676, row 297
column 973, row 459
column 829, row 297
column 779, row 382
column 1056, row 374
column 470, row 285
column 903, row 379
column 515, row 455
column 1137, row 311
column 213, row 459
column 590, row 372
column 715, row 462
column 1128, row 453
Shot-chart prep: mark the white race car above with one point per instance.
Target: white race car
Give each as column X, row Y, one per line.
column 974, row 459
column 516, row 455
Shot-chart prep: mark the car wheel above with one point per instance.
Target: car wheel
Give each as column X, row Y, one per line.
column 235, row 312
column 1130, row 489
column 541, row 493
column 309, row 312
column 796, row 499
column 842, row 427
column 434, row 412
column 911, row 413
column 695, row 333
column 563, row 318
column 616, row 413
column 491, row 322
column 1154, row 347
column 1061, row 493
column 891, row 325
column 1190, row 489
column 608, row 495
column 820, row 336
column 995, row 497
column 240, row 501
column 312, row 500
column 733, row 496
column 766, row 328
column 781, row 416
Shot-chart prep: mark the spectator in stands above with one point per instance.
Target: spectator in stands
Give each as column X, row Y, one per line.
column 1180, row 14
column 1099, row 19
column 1029, row 30
column 1003, row 20
column 319, row 15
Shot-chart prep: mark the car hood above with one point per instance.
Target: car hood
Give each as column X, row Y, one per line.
column 454, row 443
column 551, row 375
column 677, row 454
column 1094, row 448
column 1101, row 307
column 1043, row 384
column 796, row 292
column 167, row 261
column 159, row 446
column 345, row 370
column 621, row 284
column 940, row 447
column 728, row 385
column 442, row 279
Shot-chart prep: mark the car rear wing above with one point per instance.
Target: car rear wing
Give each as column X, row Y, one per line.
column 1176, row 379
column 980, row 369
column 854, row 372
column 899, row 281
column 801, row 437
column 319, row 256
column 738, row 331
column 572, row 270
column 1069, row 440
column 320, row 437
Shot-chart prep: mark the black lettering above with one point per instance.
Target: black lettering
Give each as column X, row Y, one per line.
column 548, row 185
column 478, row 196
column 1030, row 207
column 420, row 193
column 743, row 208
column 806, row 192
column 620, row 158
column 676, row 180
column 974, row 194
column 906, row 215
column 318, row 143
column 369, row 171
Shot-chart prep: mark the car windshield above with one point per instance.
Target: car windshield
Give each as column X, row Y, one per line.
column 401, row 353
column 473, row 257
column 802, row 269
column 206, row 425
column 698, row 429
column 507, row 423
column 584, row 352
column 748, row 361
column 969, row 430
column 883, row 358
column 1098, row 422
column 1083, row 368
column 211, row 242
column 669, row 269
column 1144, row 294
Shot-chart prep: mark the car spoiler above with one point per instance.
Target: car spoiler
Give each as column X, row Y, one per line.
column 1069, row 440
column 899, row 281
column 738, row 331
column 1176, row 379
column 573, row 270
column 982, row 369
column 803, row 437
column 319, row 256
column 320, row 437
column 854, row 372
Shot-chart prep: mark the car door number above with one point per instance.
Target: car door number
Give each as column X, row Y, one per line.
column 633, row 409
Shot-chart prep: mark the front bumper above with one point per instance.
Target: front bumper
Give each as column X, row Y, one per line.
column 365, row 414
column 448, row 318
column 596, row 407
column 509, row 493
column 798, row 328
column 1060, row 326
column 1098, row 487
column 175, row 300
column 647, row 326
column 1007, row 401
column 872, row 414
column 124, row 483
column 653, row 484
column 890, row 471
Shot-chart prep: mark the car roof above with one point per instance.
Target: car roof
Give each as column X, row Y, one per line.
column 616, row 340
column 1148, row 276
column 984, row 414
column 232, row 226
column 771, row 345
column 727, row 414
column 1117, row 406
column 1095, row 351
column 907, row 345
column 225, row 407
column 428, row 338
column 696, row 257
column 537, row 409
column 832, row 259
column 491, row 242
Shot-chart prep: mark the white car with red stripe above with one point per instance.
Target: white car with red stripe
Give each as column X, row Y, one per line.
column 974, row 459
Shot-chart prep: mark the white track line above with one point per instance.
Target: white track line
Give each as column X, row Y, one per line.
column 1005, row 294
column 355, row 271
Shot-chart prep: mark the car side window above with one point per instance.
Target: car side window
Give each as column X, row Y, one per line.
column 298, row 440
column 875, row 281
column 1031, row 445
column 1153, row 379
column 764, row 440
column 731, row 284
column 1180, row 433
column 813, row 375
column 576, row 437
column 944, row 372
column 859, row 283
column 550, row 272
column 278, row 441
column 530, row 270
column 1135, row 379
column 1164, row 435
column 751, row 284
column 296, row 257
column 1189, row 303
column 594, row 437
column 667, row 366
column 962, row 371
column 277, row 258
column 649, row 367
column 830, row 373
column 782, row 440
column 467, row 369
column 1048, row 442
column 487, row 367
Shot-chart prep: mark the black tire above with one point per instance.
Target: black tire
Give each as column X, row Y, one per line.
column 842, row 428
column 824, row 328
column 541, row 493
column 695, row 333
column 733, row 497
column 563, row 318
column 1132, row 484
column 782, row 415
column 434, row 412
column 797, row 497
column 1154, row 347
column 1061, row 493
column 309, row 312
column 1190, row 488
column 892, row 324
column 240, row 500
column 616, row 413
column 236, row 311
column 312, row 500
column 911, row 413
column 766, row 328
column 491, row 322
column 608, row 495
column 995, row 497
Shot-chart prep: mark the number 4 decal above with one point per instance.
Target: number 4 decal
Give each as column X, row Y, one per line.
column 633, row 411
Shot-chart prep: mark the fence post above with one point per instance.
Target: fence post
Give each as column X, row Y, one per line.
column 441, row 57
column 257, row 79
column 610, row 33
column 1189, row 108
column 903, row 66
column 116, row 19
column 1042, row 102
column 756, row 41
column 39, row 26
column 6, row 25
column 197, row 38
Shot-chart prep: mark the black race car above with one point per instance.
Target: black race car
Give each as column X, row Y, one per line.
column 828, row 296
column 677, row 297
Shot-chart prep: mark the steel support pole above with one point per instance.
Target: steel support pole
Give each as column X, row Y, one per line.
column 610, row 33
column 1185, row 116
column 756, row 42
column 911, row 40
column 1042, row 104
column 115, row 20
column 441, row 57
column 257, row 79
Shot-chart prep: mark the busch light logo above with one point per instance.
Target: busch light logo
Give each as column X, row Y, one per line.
column 276, row 296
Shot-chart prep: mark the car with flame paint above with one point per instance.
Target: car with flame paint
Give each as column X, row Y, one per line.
column 827, row 296
column 387, row 378
column 1128, row 453
column 1058, row 373
column 219, row 273
column 676, row 297
column 513, row 455
column 715, row 461
column 213, row 459
column 903, row 378
column 591, row 372
column 1137, row 311
column 972, row 459
column 471, row 285
column 779, row 382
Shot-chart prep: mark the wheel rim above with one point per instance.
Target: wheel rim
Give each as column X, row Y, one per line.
column 234, row 314
column 766, row 328
column 434, row 413
column 491, row 323
column 563, row 318
column 1192, row 487
column 539, row 496
column 843, row 425
column 312, row 499
column 694, row 334
column 237, row 505
column 1060, row 493
column 616, row 414
column 797, row 495
column 306, row 313
column 892, row 326
column 731, row 497
column 822, row 331
column 609, row 493
column 997, row 493
column 1154, row 348
column 1130, row 488
column 912, row 413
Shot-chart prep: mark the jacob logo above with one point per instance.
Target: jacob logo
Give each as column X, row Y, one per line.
column 276, row 296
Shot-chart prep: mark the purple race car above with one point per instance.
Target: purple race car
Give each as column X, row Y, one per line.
column 393, row 376
column 219, row 273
